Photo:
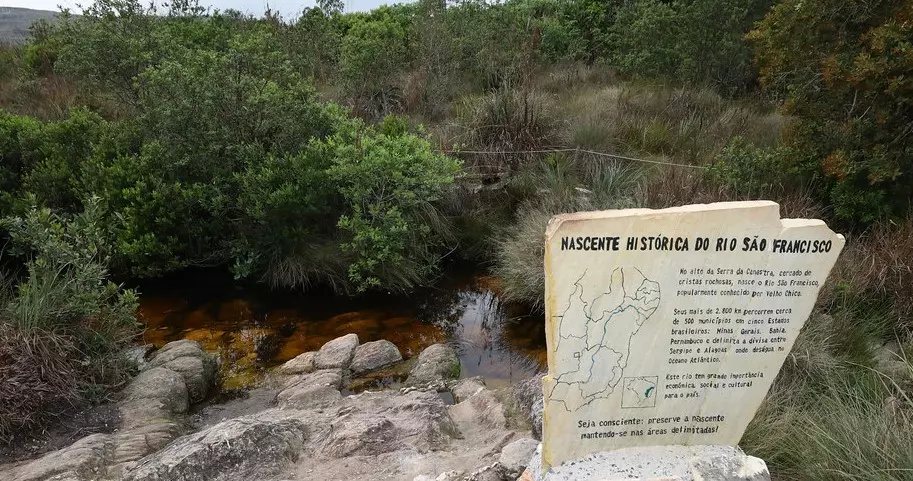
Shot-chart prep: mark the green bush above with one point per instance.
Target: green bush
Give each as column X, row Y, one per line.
column 389, row 184
column 373, row 58
column 687, row 41
column 751, row 171
column 63, row 326
column 841, row 69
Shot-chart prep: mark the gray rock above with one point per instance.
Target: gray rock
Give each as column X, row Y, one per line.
column 154, row 393
column 301, row 364
column 494, row 472
column 174, row 350
column 516, row 455
column 375, row 355
column 197, row 376
column 483, row 408
column 465, row 388
column 84, row 456
column 528, row 399
column 315, row 390
column 137, row 355
column 376, row 422
column 190, row 360
column 337, row 353
column 436, row 363
column 536, row 418
column 729, row 467
column 687, row 463
column 252, row 447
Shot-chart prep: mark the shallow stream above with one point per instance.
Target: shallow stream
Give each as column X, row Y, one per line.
column 253, row 328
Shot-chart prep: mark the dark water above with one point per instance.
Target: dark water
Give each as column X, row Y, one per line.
column 253, row 328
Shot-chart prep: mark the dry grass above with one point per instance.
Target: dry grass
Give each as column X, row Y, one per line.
column 38, row 371
column 692, row 125
column 877, row 266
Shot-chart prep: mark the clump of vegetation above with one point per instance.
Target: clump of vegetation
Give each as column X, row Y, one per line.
column 63, row 325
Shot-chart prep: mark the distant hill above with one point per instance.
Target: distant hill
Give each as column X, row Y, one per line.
column 15, row 22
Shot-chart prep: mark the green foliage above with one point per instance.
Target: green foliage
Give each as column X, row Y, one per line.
column 843, row 70
column 389, row 183
column 687, row 41
column 751, row 171
column 373, row 56
column 63, row 326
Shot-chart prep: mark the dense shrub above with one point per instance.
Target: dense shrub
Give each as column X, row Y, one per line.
column 842, row 69
column 687, row 41
column 63, row 326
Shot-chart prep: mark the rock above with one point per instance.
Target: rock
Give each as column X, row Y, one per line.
column 729, row 467
column 337, row 353
column 316, row 390
column 483, row 408
column 465, row 388
column 154, row 393
column 174, row 350
column 437, row 362
column 536, row 418
column 494, row 472
column 654, row 463
column 251, row 447
column 527, row 398
column 368, row 436
column 417, row 420
column 84, row 456
column 190, row 360
column 371, row 356
column 301, row 364
column 197, row 376
column 516, row 455
column 449, row 476
column 137, row 355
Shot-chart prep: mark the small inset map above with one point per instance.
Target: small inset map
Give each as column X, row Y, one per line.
column 639, row 392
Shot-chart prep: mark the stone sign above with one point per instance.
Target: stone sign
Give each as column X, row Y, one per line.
column 668, row 326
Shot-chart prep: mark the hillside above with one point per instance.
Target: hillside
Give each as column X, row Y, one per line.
column 15, row 22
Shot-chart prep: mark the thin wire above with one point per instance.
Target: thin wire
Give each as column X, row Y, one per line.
column 592, row 152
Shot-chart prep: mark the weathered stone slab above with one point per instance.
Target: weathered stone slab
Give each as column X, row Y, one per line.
column 375, row 355
column 657, row 463
column 337, row 353
column 437, row 362
column 667, row 327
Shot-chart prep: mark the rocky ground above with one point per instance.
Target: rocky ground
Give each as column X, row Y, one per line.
column 318, row 417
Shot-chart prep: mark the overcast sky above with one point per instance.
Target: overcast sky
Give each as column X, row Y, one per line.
column 288, row 8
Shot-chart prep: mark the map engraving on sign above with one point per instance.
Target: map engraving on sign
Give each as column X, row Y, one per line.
column 668, row 326
column 601, row 346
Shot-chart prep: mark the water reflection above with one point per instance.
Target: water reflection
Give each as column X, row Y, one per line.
column 253, row 329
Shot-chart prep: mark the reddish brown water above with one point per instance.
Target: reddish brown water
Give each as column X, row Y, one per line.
column 253, row 329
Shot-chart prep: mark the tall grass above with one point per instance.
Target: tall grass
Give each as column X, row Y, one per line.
column 555, row 185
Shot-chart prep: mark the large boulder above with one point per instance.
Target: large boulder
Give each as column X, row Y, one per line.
column 375, row 355
column 337, row 353
column 153, row 394
column 516, row 455
column 436, row 363
column 301, row 364
column 252, row 447
column 188, row 359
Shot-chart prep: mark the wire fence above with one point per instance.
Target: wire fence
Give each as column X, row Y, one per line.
column 576, row 150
